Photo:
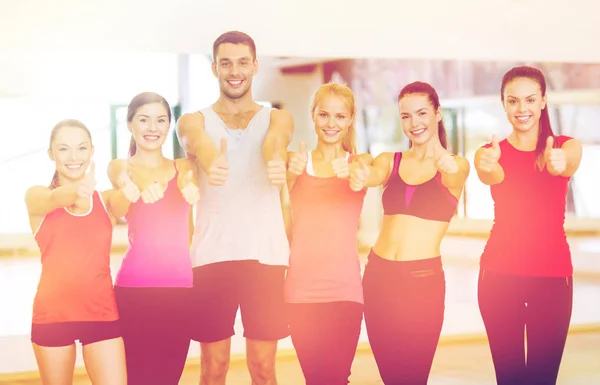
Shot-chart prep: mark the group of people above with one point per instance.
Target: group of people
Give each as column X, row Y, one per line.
column 275, row 237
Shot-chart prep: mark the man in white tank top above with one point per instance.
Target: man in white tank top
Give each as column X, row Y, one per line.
column 239, row 249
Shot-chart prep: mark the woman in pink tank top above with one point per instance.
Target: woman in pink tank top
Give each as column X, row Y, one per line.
column 153, row 284
column 323, row 284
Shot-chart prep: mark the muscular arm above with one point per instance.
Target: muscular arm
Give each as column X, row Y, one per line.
column 195, row 140
column 280, row 132
column 573, row 151
column 489, row 178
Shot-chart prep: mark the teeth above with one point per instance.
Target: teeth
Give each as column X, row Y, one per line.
column 235, row 82
column 417, row 132
column 73, row 166
column 523, row 118
column 331, row 132
column 151, row 137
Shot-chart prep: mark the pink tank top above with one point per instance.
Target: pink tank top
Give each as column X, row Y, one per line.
column 324, row 264
column 158, row 253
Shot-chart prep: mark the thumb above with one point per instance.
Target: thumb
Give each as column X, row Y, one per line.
column 363, row 165
column 549, row 143
column 495, row 144
column 302, row 147
column 189, row 176
column 223, row 149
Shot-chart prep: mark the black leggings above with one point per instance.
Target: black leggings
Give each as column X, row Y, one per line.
column 404, row 313
column 325, row 336
column 513, row 305
column 155, row 331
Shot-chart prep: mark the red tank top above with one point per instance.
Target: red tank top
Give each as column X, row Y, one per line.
column 528, row 236
column 75, row 284
column 324, row 264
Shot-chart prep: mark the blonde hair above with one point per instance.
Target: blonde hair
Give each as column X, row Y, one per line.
column 346, row 94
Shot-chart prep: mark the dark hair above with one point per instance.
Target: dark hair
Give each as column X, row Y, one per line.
column 426, row 89
column 64, row 123
column 139, row 101
column 234, row 37
column 545, row 127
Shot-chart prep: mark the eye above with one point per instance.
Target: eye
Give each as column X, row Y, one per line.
column 530, row 100
column 161, row 120
column 143, row 120
column 341, row 117
column 83, row 148
column 512, row 101
column 323, row 115
column 62, row 149
column 404, row 117
column 422, row 113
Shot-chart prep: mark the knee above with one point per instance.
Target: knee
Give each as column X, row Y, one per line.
column 262, row 371
column 214, row 368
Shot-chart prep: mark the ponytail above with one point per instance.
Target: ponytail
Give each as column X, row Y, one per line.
column 543, row 134
column 132, row 147
column 54, row 183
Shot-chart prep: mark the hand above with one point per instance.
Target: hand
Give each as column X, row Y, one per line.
column 219, row 169
column 276, row 166
column 444, row 161
column 86, row 187
column 555, row 158
column 488, row 160
column 298, row 161
column 189, row 190
column 153, row 193
column 340, row 165
column 359, row 175
column 129, row 189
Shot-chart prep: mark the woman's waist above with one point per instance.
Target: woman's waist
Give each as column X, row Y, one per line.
column 417, row 267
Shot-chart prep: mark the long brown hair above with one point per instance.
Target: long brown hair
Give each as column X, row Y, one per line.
column 423, row 88
column 545, row 127
column 64, row 123
column 346, row 94
column 139, row 101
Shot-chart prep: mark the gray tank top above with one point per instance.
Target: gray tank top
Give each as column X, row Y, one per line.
column 243, row 219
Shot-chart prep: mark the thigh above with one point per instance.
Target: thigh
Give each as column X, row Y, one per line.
column 342, row 325
column 105, row 362
column 214, row 301
column 549, row 309
column 262, row 302
column 503, row 310
column 56, row 364
column 57, row 334
column 306, row 329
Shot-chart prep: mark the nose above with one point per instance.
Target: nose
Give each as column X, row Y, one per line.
column 522, row 107
column 331, row 122
column 151, row 125
column 72, row 154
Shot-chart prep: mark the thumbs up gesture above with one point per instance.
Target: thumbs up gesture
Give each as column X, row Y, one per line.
column 489, row 158
column 444, row 161
column 340, row 165
column 219, row 169
column 555, row 158
column 129, row 189
column 298, row 160
column 276, row 166
column 359, row 175
column 86, row 187
column 189, row 189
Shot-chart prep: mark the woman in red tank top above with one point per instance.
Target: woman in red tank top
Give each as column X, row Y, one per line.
column 72, row 224
column 323, row 285
column 525, row 281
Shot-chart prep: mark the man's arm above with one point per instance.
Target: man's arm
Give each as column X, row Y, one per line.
column 279, row 135
column 194, row 139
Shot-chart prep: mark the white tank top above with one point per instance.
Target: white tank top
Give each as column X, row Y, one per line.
column 243, row 219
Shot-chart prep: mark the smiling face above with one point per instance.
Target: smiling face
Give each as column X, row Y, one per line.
column 150, row 126
column 71, row 149
column 234, row 67
column 333, row 118
column 523, row 102
column 419, row 118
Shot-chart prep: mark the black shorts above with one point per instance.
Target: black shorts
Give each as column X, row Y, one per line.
column 66, row 333
column 257, row 289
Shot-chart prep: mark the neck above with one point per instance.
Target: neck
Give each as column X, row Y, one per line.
column 426, row 150
column 235, row 106
column 147, row 158
column 328, row 152
column 525, row 140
